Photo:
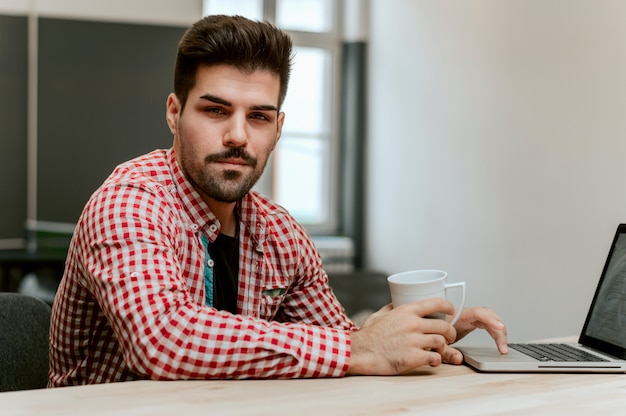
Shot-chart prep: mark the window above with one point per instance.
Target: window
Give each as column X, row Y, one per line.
column 302, row 174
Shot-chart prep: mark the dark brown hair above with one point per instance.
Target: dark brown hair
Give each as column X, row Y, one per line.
column 232, row 40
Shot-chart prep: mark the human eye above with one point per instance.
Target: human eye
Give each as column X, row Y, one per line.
column 258, row 116
column 214, row 111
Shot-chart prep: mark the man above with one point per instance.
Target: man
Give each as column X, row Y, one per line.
column 177, row 270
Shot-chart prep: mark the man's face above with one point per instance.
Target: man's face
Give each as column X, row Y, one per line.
column 227, row 130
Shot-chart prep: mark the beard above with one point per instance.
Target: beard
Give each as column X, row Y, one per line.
column 221, row 185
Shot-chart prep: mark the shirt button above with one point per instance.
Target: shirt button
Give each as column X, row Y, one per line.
column 194, row 227
column 213, row 228
column 210, row 263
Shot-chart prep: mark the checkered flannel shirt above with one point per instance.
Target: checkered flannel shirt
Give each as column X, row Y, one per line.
column 131, row 302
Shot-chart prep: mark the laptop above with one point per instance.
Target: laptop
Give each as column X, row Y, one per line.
column 601, row 346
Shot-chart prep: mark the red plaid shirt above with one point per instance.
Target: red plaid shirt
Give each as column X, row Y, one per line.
column 131, row 303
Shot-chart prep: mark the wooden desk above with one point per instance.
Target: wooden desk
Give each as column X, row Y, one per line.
column 446, row 390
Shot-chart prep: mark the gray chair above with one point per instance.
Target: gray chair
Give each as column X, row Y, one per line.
column 24, row 327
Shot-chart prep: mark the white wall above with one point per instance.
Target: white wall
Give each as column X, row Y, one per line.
column 497, row 144
column 177, row 12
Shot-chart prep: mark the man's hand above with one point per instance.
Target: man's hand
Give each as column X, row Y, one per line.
column 393, row 341
column 473, row 318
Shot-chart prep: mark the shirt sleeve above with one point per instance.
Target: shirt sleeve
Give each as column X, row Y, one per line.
column 131, row 266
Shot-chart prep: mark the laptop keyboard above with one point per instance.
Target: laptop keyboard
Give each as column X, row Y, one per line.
column 555, row 352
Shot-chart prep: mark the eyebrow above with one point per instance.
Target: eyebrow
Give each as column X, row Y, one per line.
column 218, row 100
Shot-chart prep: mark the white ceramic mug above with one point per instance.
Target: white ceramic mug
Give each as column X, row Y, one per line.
column 414, row 285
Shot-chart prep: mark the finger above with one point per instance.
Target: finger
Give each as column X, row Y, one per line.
column 424, row 350
column 424, row 357
column 435, row 344
column 491, row 318
column 482, row 318
column 434, row 359
column 430, row 350
column 452, row 356
column 500, row 337
column 494, row 326
column 438, row 327
column 430, row 306
column 421, row 324
column 386, row 308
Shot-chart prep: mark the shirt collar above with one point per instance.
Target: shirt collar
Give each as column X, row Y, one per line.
column 191, row 200
column 251, row 210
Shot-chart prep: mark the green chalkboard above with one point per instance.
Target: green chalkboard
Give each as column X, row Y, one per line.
column 101, row 100
column 13, row 122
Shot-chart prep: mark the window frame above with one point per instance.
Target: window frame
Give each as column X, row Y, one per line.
column 331, row 42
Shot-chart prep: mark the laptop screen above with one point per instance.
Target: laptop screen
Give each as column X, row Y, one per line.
column 605, row 327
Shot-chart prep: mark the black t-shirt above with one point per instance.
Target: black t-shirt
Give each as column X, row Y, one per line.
column 225, row 253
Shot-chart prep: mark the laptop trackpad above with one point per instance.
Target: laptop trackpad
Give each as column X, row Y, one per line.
column 487, row 354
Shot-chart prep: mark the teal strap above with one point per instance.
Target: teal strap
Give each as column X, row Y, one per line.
column 208, row 273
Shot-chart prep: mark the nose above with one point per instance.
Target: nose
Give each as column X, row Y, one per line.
column 236, row 134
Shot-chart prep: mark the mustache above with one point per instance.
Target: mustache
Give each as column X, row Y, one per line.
column 232, row 153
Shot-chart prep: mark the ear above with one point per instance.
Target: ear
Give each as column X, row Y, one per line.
column 279, row 128
column 172, row 112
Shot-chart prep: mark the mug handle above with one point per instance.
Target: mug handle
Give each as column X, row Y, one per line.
column 460, row 308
